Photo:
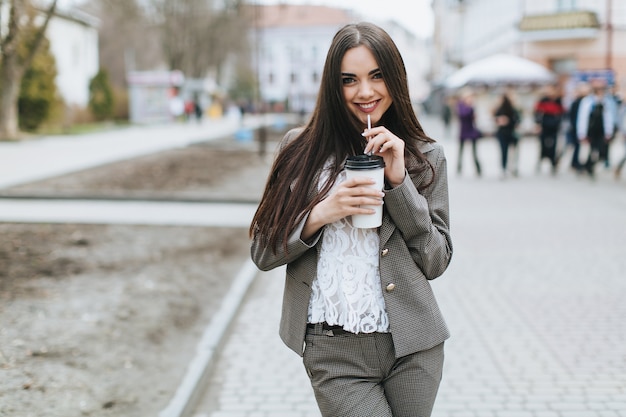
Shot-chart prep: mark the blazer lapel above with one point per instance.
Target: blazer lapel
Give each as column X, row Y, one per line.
column 386, row 229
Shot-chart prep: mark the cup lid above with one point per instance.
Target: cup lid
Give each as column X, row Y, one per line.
column 364, row 162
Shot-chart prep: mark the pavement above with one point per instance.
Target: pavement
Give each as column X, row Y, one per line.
column 534, row 296
column 37, row 159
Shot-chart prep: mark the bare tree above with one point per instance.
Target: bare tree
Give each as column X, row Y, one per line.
column 194, row 36
column 127, row 40
column 198, row 35
column 22, row 14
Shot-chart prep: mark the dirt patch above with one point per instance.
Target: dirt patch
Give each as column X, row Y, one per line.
column 102, row 320
column 218, row 170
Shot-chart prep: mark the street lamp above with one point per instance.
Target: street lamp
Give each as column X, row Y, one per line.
column 609, row 35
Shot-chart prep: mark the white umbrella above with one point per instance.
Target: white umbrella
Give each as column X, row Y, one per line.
column 500, row 69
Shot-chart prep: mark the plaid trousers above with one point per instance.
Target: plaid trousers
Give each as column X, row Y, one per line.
column 358, row 375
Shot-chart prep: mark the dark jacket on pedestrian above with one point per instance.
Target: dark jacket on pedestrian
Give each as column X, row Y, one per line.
column 549, row 113
column 506, row 130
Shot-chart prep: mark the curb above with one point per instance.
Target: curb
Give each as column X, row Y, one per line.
column 134, row 198
column 194, row 382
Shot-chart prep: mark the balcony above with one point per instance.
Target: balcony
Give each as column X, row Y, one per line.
column 560, row 26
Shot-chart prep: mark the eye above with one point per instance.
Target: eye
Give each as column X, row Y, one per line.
column 348, row 80
column 377, row 75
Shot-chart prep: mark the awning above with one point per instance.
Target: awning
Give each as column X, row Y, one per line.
column 501, row 69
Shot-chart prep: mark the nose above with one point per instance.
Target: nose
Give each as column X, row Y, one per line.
column 365, row 89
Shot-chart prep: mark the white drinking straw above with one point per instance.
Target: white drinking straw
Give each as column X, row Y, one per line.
column 369, row 126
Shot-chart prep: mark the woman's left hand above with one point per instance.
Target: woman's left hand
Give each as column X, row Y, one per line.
column 380, row 141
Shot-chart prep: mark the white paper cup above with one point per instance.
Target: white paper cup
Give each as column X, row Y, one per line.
column 371, row 167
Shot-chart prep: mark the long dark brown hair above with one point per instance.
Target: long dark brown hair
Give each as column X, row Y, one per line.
column 333, row 133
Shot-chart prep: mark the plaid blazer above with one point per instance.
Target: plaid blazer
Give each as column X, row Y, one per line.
column 415, row 247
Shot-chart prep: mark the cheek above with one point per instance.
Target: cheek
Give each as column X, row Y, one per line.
column 347, row 93
column 348, row 96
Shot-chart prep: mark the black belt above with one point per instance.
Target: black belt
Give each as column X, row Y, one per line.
column 328, row 329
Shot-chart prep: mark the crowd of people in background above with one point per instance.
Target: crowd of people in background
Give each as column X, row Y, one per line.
column 593, row 121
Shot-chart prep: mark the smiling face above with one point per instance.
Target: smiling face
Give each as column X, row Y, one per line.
column 364, row 89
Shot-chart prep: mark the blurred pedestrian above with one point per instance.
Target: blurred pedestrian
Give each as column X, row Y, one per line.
column 468, row 132
column 571, row 135
column 606, row 146
column 621, row 128
column 548, row 116
column 620, row 165
column 507, row 119
column 358, row 301
column 446, row 115
column 596, row 122
column 197, row 108
column 188, row 109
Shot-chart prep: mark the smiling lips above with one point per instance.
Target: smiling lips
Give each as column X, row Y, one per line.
column 368, row 107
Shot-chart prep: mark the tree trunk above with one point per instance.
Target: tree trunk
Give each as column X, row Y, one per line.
column 12, row 68
column 10, row 81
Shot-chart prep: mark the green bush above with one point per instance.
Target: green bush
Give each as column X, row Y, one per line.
column 101, row 96
column 38, row 89
column 120, row 106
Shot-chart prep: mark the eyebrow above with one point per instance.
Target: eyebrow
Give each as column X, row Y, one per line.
column 348, row 74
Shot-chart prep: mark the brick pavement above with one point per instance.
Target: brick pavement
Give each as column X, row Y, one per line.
column 256, row 374
column 534, row 299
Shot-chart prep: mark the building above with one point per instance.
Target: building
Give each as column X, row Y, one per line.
column 567, row 36
column 576, row 39
column 291, row 42
column 73, row 37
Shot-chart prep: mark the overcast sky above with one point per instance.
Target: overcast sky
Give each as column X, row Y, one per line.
column 414, row 15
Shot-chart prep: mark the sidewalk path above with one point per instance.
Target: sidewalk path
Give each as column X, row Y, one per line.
column 126, row 212
column 534, row 298
column 256, row 374
column 36, row 159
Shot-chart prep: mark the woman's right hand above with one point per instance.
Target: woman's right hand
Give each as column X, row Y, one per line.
column 347, row 199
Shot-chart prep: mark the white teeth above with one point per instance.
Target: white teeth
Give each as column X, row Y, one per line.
column 367, row 106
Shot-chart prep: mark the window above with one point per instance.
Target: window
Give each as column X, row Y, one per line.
column 563, row 66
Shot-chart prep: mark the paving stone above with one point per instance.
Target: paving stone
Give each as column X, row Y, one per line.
column 533, row 298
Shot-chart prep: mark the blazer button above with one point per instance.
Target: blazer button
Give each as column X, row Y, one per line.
column 384, row 252
column 390, row 287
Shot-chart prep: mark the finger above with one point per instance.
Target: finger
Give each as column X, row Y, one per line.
column 375, row 144
column 368, row 192
column 357, row 181
column 366, row 201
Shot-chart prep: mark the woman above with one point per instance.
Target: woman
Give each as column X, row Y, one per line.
column 467, row 129
column 548, row 116
column 360, row 298
column 507, row 119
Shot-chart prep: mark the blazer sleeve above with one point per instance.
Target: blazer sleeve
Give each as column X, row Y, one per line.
column 265, row 258
column 262, row 255
column 423, row 218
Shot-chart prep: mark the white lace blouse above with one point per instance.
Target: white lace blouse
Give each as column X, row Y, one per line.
column 347, row 288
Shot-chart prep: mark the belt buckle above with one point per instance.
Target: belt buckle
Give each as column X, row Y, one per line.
column 329, row 333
